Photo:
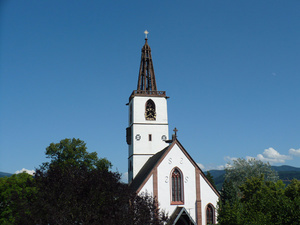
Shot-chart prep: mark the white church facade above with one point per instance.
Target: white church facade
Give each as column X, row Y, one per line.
column 159, row 165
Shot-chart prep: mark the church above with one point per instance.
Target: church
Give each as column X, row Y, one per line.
column 160, row 165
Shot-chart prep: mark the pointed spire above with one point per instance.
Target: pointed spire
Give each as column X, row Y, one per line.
column 146, row 80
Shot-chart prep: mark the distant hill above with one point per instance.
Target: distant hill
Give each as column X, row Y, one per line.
column 2, row 174
column 285, row 173
column 285, row 168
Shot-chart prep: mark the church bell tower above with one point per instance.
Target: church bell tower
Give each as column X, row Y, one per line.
column 148, row 119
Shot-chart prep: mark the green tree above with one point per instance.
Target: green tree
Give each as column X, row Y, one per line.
column 240, row 170
column 262, row 202
column 15, row 196
column 144, row 210
column 73, row 195
column 73, row 152
column 230, row 207
column 293, row 189
column 227, row 193
column 211, row 179
column 76, row 187
column 292, row 192
column 229, row 212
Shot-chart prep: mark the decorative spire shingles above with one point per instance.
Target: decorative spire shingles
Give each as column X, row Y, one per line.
column 146, row 80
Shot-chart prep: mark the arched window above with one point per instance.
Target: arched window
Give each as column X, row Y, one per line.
column 150, row 113
column 210, row 214
column 177, row 187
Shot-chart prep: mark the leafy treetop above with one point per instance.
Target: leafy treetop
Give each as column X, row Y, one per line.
column 73, row 152
column 262, row 202
column 15, row 196
column 241, row 169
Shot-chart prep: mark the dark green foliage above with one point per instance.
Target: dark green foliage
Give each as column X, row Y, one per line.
column 75, row 187
column 252, row 194
column 260, row 202
column 228, row 193
column 144, row 210
column 210, row 178
column 16, row 194
column 292, row 191
column 82, row 196
column 229, row 214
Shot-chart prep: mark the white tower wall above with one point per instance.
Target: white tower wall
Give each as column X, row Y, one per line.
column 147, row 136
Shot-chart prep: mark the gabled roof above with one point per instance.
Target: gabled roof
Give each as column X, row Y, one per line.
column 180, row 215
column 146, row 170
column 153, row 162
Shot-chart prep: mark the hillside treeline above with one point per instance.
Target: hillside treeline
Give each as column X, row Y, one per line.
column 253, row 194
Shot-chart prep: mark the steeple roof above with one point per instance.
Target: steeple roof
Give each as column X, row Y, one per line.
column 146, row 80
column 147, row 83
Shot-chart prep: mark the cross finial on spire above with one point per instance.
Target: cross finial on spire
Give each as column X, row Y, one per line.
column 175, row 131
column 146, row 33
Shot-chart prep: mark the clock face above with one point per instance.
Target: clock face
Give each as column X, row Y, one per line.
column 138, row 137
column 150, row 114
column 164, row 137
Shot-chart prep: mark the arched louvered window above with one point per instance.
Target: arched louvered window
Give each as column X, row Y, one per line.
column 150, row 113
column 210, row 214
column 177, row 187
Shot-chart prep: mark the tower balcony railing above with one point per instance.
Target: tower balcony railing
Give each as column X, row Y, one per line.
column 147, row 93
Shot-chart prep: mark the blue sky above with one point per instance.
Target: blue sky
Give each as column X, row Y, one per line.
column 231, row 69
